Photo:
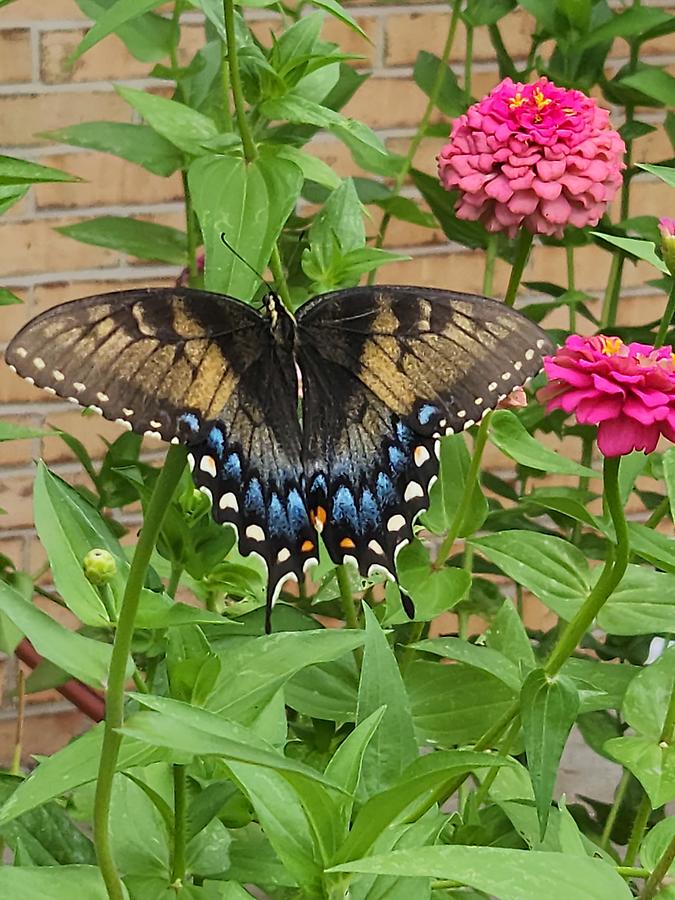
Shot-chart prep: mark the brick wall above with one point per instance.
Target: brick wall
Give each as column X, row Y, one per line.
column 38, row 93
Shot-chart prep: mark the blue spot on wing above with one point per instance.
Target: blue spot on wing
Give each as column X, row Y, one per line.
column 404, row 434
column 344, row 508
column 276, row 517
column 216, row 441
column 232, row 466
column 190, row 420
column 426, row 413
column 320, row 484
column 398, row 459
column 254, row 498
column 386, row 494
column 370, row 511
column 297, row 514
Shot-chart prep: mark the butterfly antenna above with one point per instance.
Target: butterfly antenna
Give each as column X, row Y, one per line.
column 241, row 259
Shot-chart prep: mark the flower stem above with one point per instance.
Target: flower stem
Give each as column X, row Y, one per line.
column 178, row 867
column 250, row 149
column 467, row 495
column 658, row 513
column 569, row 252
column 661, row 870
column 468, row 59
column 619, row 795
column 348, row 607
column 633, row 872
column 611, row 298
column 174, row 580
column 523, row 245
column 611, row 575
column 419, row 135
column 280, row 278
column 191, row 232
column 489, row 271
column 159, row 502
column 639, row 824
column 666, row 320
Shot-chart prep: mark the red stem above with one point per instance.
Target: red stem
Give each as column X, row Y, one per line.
column 87, row 700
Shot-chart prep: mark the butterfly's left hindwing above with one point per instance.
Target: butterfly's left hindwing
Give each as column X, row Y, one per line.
column 388, row 371
column 196, row 368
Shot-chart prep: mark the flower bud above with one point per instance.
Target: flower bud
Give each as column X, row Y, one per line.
column 99, row 566
column 667, row 229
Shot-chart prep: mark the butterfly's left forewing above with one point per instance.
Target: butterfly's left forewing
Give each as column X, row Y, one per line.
column 387, row 372
column 199, row 369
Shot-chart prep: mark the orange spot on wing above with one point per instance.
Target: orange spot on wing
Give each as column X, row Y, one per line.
column 306, row 546
column 318, row 517
column 347, row 544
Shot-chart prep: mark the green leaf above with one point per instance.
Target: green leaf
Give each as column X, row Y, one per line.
column 600, row 686
column 9, row 431
column 487, row 12
column 451, row 99
column 139, row 835
column 504, row 873
column 427, row 773
column 655, row 844
column 442, row 205
column 508, row 433
column 201, row 732
column 69, row 528
column 144, row 240
column 641, row 604
column 249, row 204
column 563, row 500
column 118, row 14
column 339, row 12
column 312, row 168
column 479, row 657
column 182, row 126
column 656, row 548
column 7, row 298
column 47, row 835
column 551, row 568
column 327, row 691
column 669, row 476
column 20, row 171
column 508, row 636
column 393, row 746
column 446, row 494
column 72, row 766
column 148, row 37
column 548, row 708
column 665, row 173
column 651, row 761
column 644, row 250
column 135, row 143
column 252, row 673
column 645, row 707
column 630, row 25
column 341, row 219
column 454, row 705
column 433, row 591
column 655, row 82
column 82, row 657
column 53, row 882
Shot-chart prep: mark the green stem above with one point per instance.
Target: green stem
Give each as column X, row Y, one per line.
column 569, row 252
column 179, row 825
column 250, row 149
column 161, row 496
column 611, row 575
column 140, row 685
column 658, row 513
column 174, row 579
column 489, row 271
column 468, row 59
column 666, row 320
column 280, row 278
column 610, row 300
column 639, row 824
column 467, row 495
column 632, row 872
column 619, row 796
column 523, row 245
column 409, row 654
column 346, row 596
column 419, row 135
column 504, row 750
column 660, row 871
column 225, row 83
column 586, row 460
column 108, row 601
column 191, row 232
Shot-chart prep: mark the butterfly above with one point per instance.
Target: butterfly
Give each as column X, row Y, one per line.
column 326, row 422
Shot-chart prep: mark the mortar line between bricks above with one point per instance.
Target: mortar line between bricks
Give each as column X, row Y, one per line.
column 45, row 214
column 38, row 709
column 80, row 87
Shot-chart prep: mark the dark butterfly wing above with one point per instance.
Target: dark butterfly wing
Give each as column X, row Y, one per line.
column 386, row 372
column 194, row 368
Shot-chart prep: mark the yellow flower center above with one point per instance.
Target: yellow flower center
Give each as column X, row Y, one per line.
column 517, row 101
column 611, row 346
column 539, row 99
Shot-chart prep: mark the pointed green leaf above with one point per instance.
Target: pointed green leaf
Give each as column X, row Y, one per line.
column 21, row 171
column 110, row 21
column 144, row 240
column 644, row 250
column 53, row 883
column 182, row 126
column 548, row 709
column 508, row 433
column 446, row 494
column 393, row 745
column 248, row 203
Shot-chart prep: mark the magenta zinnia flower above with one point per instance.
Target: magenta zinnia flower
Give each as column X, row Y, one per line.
column 627, row 390
column 535, row 156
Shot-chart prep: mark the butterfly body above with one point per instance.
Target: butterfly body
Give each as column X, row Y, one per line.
column 326, row 422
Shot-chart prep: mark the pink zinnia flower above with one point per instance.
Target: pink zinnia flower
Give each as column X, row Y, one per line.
column 535, row 156
column 627, row 390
